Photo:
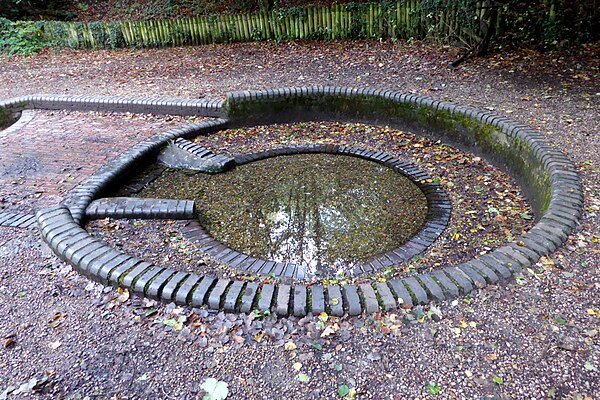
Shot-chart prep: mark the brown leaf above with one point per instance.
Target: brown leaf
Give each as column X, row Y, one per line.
column 9, row 342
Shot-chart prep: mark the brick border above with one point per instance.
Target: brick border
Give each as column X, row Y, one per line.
column 16, row 220
column 142, row 208
column 552, row 179
column 438, row 216
column 140, row 105
column 25, row 117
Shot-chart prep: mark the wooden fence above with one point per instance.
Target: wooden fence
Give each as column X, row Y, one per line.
column 386, row 20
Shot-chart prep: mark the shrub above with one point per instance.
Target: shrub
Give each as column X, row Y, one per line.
column 21, row 38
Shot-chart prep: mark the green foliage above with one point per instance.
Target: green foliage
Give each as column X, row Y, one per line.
column 543, row 23
column 343, row 390
column 35, row 9
column 433, row 388
column 4, row 119
column 258, row 314
column 23, row 38
column 457, row 19
column 551, row 23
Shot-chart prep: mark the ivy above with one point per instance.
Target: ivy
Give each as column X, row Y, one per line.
column 23, row 38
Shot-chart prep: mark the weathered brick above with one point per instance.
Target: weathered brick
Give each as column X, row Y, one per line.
column 387, row 298
column 299, row 301
column 432, row 287
column 318, row 299
column 216, row 296
column 248, row 297
column 266, row 297
column 420, row 295
column 369, row 298
column 351, row 299
column 335, row 302
column 282, row 301
column 184, row 291
column 401, row 292
column 232, row 295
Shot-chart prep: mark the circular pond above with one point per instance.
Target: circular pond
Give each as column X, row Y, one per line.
column 322, row 211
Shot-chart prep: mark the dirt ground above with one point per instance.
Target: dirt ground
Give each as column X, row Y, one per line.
column 65, row 337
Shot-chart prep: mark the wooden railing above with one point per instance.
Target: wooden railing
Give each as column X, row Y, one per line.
column 386, row 20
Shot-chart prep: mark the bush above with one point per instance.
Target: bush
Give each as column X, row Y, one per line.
column 21, row 37
column 34, row 9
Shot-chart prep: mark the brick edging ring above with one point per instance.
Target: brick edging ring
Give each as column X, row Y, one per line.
column 436, row 221
column 25, row 117
column 553, row 183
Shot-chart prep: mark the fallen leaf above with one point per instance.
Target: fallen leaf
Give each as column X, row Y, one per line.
column 9, row 342
column 589, row 366
column 330, row 329
column 123, row 295
column 54, row 345
column 343, row 390
column 215, row 390
column 323, row 316
column 289, row 346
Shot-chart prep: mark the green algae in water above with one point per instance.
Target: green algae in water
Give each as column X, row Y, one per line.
column 323, row 211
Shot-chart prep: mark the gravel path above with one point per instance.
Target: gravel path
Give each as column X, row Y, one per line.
column 64, row 337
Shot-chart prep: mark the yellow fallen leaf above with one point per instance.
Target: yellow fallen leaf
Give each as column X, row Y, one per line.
column 593, row 312
column 547, row 261
column 456, row 331
column 323, row 316
column 463, row 325
column 473, row 324
column 491, row 357
column 335, row 301
column 297, row 366
column 469, row 374
column 289, row 346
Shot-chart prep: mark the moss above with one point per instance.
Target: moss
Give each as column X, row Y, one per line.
column 513, row 155
column 147, row 286
column 123, row 275
column 4, row 118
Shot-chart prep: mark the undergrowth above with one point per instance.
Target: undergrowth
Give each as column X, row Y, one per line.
column 23, row 38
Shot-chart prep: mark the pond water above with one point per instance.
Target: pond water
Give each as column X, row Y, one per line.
column 323, row 211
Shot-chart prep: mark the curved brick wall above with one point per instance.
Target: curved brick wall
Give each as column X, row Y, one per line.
column 549, row 177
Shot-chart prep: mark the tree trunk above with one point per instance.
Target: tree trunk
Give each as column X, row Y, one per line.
column 487, row 26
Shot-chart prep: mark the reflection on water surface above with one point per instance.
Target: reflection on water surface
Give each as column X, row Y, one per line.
column 320, row 210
